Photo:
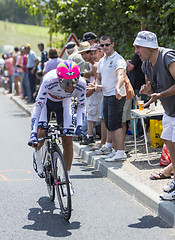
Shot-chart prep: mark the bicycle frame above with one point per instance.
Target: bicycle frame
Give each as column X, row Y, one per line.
column 56, row 177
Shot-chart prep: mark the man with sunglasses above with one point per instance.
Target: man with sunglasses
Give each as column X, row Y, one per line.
column 55, row 95
column 110, row 79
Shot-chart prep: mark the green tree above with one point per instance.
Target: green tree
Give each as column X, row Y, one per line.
column 12, row 12
column 120, row 18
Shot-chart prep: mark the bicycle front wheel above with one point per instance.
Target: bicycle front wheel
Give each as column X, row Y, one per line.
column 49, row 179
column 62, row 183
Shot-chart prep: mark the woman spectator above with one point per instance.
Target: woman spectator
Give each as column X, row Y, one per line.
column 53, row 62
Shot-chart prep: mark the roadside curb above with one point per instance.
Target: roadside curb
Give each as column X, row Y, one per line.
column 22, row 106
column 144, row 194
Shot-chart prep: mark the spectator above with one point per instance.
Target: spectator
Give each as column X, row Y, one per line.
column 53, row 62
column 25, row 80
column 90, row 37
column 110, row 80
column 97, row 54
column 126, row 116
column 32, row 63
column 10, row 68
column 43, row 55
column 134, row 67
column 159, row 67
column 74, row 55
column 2, row 71
column 86, row 55
column 166, row 173
column 39, row 79
column 18, row 74
column 84, row 50
column 95, row 98
column 15, row 78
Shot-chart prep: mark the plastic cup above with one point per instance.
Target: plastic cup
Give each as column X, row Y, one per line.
column 140, row 103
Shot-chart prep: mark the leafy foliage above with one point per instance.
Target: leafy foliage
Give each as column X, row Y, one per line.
column 120, row 18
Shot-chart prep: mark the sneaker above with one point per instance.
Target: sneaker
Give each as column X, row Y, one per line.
column 96, row 147
column 168, row 196
column 103, row 151
column 88, row 141
column 170, row 187
column 109, row 155
column 116, row 157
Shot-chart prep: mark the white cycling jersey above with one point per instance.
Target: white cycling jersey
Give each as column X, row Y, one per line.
column 50, row 89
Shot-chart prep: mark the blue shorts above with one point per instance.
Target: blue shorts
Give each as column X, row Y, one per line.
column 113, row 110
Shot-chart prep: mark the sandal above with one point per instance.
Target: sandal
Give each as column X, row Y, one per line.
column 158, row 176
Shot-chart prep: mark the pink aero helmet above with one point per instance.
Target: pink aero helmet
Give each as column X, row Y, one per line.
column 68, row 69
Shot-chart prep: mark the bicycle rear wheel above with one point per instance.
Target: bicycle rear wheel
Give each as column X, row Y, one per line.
column 62, row 183
column 49, row 179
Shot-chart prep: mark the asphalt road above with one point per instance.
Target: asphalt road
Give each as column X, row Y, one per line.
column 101, row 210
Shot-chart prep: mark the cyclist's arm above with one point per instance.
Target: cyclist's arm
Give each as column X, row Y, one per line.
column 40, row 101
column 81, row 100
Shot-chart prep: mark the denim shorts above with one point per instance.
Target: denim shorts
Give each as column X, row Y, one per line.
column 113, row 110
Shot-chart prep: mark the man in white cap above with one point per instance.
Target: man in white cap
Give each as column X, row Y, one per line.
column 159, row 68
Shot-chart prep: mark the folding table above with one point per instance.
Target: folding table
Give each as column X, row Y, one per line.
column 137, row 113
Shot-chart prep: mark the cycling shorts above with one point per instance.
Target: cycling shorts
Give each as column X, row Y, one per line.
column 64, row 114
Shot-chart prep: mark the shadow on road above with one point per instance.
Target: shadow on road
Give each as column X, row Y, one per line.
column 91, row 172
column 46, row 220
column 149, row 222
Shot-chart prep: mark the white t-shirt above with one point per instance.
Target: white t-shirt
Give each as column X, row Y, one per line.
column 107, row 67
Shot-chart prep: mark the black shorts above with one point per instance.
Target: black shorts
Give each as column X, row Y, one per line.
column 113, row 110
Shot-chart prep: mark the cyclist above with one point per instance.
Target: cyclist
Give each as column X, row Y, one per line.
column 55, row 95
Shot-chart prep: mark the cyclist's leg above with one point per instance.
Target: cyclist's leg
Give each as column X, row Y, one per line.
column 40, row 133
column 64, row 116
column 68, row 151
column 68, row 124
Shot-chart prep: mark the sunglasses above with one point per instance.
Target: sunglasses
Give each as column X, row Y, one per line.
column 106, row 44
column 68, row 83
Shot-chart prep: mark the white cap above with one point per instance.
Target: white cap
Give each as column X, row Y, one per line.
column 146, row 39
